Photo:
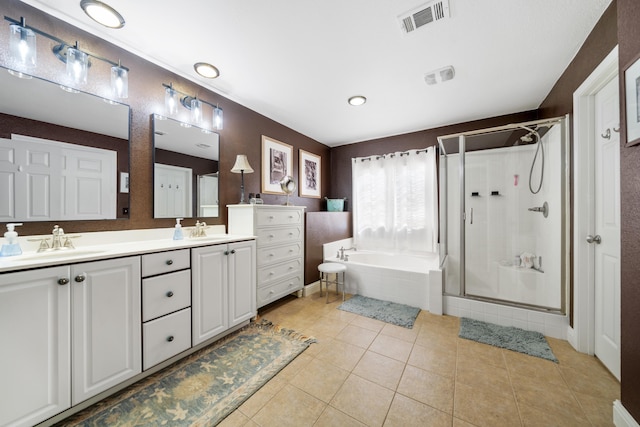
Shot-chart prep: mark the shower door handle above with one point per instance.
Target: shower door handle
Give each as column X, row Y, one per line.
column 594, row 239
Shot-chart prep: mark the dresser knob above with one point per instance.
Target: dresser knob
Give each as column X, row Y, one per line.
column 169, row 262
column 169, row 294
column 170, row 338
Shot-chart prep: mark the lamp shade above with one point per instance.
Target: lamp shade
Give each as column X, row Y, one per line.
column 242, row 164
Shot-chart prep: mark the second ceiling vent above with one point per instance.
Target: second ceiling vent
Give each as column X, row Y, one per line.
column 423, row 15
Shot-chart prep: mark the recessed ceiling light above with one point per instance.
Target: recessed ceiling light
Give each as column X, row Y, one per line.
column 357, row 100
column 102, row 13
column 206, row 70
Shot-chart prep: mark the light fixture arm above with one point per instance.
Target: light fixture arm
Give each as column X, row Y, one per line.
column 21, row 23
column 186, row 100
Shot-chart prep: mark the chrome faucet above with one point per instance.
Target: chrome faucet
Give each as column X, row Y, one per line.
column 59, row 241
column 341, row 254
column 199, row 230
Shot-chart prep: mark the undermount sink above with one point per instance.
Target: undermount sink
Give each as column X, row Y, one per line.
column 62, row 253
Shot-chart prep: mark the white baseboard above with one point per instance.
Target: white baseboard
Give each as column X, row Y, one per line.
column 622, row 417
column 311, row 288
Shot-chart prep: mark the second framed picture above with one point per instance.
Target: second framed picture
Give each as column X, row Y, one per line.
column 277, row 162
column 309, row 167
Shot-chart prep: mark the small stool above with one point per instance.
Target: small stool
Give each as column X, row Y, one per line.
column 327, row 268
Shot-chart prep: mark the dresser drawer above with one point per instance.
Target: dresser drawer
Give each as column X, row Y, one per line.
column 165, row 262
column 165, row 337
column 273, row 254
column 272, row 273
column 267, row 236
column 266, row 217
column 278, row 290
column 165, row 294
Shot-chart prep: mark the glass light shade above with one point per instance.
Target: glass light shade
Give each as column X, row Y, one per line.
column 119, row 82
column 196, row 110
column 170, row 101
column 77, row 65
column 217, row 118
column 22, row 45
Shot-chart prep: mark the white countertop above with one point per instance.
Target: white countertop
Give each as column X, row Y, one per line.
column 95, row 246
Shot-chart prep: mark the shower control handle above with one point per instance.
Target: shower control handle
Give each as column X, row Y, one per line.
column 544, row 209
column 594, row 239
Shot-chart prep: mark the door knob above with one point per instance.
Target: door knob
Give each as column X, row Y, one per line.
column 594, row 239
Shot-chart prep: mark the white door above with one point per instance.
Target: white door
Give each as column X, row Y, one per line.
column 106, row 327
column 606, row 236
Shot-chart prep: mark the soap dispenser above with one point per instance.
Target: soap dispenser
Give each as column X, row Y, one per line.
column 177, row 233
column 11, row 247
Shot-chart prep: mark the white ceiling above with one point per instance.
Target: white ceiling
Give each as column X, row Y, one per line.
column 298, row 61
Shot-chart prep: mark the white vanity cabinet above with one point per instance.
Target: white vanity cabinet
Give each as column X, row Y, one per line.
column 106, row 334
column 88, row 314
column 35, row 357
column 223, row 288
column 166, row 305
column 280, row 246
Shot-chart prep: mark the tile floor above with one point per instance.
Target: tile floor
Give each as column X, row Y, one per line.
column 363, row 372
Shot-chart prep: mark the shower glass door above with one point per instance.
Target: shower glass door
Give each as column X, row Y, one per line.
column 506, row 208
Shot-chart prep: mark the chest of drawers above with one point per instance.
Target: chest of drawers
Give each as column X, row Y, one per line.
column 280, row 246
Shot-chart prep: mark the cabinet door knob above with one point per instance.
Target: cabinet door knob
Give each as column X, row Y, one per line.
column 80, row 278
column 233, row 251
column 63, row 281
column 226, row 252
column 170, row 338
column 169, row 262
column 169, row 294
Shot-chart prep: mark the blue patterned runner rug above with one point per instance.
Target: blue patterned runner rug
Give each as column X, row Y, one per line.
column 509, row 337
column 203, row 388
column 386, row 311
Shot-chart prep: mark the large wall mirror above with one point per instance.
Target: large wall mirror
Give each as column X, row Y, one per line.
column 64, row 154
column 185, row 178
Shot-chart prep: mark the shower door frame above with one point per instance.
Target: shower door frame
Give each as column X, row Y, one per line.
column 565, row 270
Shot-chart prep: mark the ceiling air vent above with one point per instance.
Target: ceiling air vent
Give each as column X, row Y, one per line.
column 423, row 15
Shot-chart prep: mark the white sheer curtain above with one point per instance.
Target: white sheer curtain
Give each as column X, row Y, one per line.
column 395, row 202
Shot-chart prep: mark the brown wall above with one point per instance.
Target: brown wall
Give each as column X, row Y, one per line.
column 321, row 228
column 241, row 134
column 629, row 51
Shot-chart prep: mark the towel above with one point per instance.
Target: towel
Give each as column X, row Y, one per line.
column 527, row 259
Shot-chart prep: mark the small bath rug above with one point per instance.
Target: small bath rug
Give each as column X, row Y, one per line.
column 203, row 388
column 509, row 337
column 386, row 311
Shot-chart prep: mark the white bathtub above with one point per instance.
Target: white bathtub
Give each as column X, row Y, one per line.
column 404, row 279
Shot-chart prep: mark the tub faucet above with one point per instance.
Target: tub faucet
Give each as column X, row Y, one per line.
column 341, row 251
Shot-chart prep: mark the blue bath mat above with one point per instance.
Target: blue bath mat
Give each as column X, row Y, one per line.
column 509, row 337
column 386, row 311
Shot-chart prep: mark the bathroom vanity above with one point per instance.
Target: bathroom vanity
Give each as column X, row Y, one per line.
column 81, row 324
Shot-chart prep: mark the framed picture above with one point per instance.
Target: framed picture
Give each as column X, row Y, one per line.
column 309, row 168
column 632, row 101
column 277, row 162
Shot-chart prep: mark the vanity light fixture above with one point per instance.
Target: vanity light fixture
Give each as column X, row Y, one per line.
column 357, row 100
column 22, row 45
column 23, row 52
column 191, row 103
column 206, row 70
column 241, row 166
column 102, row 13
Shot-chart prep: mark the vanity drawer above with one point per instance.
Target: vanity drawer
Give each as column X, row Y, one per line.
column 165, row 262
column 273, row 292
column 272, row 273
column 267, row 236
column 165, row 337
column 165, row 294
column 275, row 254
column 266, row 217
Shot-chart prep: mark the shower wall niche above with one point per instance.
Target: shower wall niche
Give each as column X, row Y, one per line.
column 501, row 243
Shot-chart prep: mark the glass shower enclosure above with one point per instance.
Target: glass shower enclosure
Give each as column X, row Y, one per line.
column 504, row 210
